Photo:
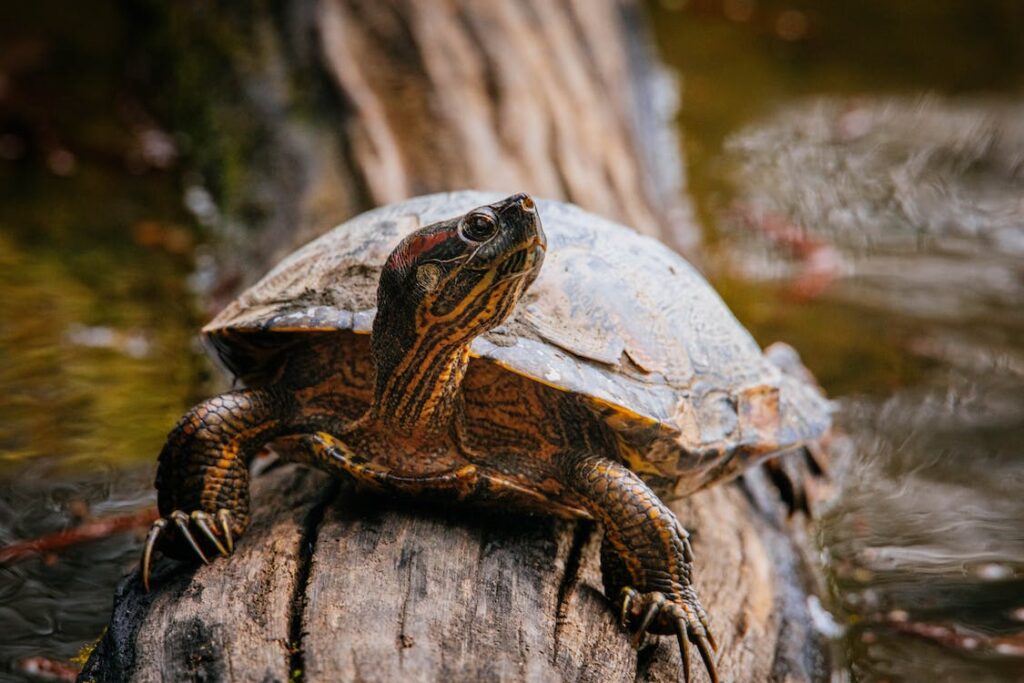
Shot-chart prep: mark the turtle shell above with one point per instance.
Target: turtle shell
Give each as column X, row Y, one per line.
column 615, row 317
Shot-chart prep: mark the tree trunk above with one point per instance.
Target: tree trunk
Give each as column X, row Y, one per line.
column 339, row 105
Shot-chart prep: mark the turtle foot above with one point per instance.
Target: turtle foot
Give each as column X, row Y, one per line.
column 194, row 529
column 681, row 615
column 801, row 478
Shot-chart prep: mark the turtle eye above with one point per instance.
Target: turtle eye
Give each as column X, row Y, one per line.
column 478, row 227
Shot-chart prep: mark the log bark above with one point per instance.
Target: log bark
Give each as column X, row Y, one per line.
column 364, row 102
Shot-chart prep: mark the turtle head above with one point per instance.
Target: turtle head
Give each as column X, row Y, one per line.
column 454, row 280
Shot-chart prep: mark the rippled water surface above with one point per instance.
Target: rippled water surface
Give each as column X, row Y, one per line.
column 96, row 314
column 858, row 170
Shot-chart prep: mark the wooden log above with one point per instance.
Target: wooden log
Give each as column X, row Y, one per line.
column 553, row 97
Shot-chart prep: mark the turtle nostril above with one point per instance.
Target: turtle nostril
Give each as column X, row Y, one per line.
column 527, row 203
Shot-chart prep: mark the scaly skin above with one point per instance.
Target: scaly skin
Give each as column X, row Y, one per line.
column 433, row 425
column 205, row 463
column 645, row 555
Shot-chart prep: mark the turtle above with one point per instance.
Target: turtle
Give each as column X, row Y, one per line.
column 420, row 349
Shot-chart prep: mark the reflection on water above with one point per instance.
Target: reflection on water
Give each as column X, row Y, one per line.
column 922, row 202
column 85, row 336
column 882, row 233
column 95, row 248
column 96, row 316
column 55, row 605
column 922, row 197
column 808, row 152
column 925, row 542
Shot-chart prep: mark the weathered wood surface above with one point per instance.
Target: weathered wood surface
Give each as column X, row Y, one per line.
column 232, row 621
column 552, row 97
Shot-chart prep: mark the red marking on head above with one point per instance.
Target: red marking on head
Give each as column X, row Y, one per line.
column 413, row 247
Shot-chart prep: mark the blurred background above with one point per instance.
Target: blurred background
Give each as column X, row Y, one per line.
column 857, row 169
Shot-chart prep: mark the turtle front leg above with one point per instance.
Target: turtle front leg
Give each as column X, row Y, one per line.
column 645, row 556
column 202, row 479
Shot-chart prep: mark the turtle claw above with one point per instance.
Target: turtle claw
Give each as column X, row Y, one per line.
column 224, row 517
column 147, row 553
column 204, row 523
column 655, row 612
column 182, row 520
column 652, row 611
column 215, row 529
column 683, row 637
column 703, row 646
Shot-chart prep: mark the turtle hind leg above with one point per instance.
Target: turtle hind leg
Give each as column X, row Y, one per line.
column 202, row 478
column 800, row 477
column 645, row 556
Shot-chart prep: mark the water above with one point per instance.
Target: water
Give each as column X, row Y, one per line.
column 880, row 232
column 96, row 314
column 859, row 170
